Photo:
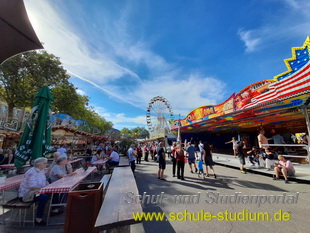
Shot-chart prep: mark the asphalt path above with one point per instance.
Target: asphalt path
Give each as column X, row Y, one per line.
column 293, row 218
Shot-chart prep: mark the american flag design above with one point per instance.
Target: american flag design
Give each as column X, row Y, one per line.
column 297, row 83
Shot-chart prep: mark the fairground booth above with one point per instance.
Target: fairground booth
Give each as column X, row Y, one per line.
column 279, row 105
column 76, row 135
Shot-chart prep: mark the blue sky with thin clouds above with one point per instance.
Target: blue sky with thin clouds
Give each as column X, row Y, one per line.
column 122, row 53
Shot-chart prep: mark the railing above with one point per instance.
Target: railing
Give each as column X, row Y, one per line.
column 294, row 145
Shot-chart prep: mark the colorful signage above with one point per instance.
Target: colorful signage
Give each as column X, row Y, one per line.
column 286, row 91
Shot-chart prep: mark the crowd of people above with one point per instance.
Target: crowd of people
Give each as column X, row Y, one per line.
column 179, row 154
column 6, row 156
column 198, row 156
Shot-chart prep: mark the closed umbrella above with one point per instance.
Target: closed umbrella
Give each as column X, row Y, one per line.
column 36, row 138
column 16, row 32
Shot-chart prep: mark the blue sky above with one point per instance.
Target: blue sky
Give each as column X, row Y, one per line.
column 122, row 53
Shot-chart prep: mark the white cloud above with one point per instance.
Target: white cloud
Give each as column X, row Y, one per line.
column 185, row 90
column 291, row 21
column 251, row 42
column 74, row 53
column 116, row 54
column 293, row 3
column 183, row 93
column 80, row 92
column 120, row 120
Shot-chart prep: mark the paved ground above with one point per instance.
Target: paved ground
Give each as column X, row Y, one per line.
column 228, row 182
column 302, row 174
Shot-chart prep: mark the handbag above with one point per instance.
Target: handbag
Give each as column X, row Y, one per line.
column 29, row 196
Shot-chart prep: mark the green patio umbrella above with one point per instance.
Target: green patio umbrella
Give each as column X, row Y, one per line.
column 36, row 138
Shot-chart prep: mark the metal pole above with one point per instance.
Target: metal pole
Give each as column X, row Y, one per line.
column 305, row 111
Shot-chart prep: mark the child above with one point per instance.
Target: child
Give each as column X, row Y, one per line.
column 200, row 168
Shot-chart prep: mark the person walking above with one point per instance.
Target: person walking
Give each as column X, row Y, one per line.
column 234, row 142
column 146, row 153
column 169, row 151
column 180, row 158
column 190, row 150
column 161, row 161
column 241, row 156
column 208, row 159
column 139, row 154
column 132, row 154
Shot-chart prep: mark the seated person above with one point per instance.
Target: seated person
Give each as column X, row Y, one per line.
column 254, row 155
column 270, row 158
column 35, row 179
column 6, row 156
column 61, row 169
column 284, row 166
column 97, row 156
column 56, row 155
column 62, row 150
column 70, row 155
column 10, row 156
column 113, row 159
column 2, row 158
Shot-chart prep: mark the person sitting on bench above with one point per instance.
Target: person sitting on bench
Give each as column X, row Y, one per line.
column 284, row 166
column 113, row 159
column 33, row 180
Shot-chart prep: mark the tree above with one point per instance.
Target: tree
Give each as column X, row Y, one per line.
column 95, row 120
column 68, row 101
column 135, row 133
column 140, row 132
column 23, row 75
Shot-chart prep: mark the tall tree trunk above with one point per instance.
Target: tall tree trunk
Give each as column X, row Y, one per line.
column 10, row 112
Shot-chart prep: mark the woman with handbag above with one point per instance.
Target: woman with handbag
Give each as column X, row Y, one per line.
column 33, row 180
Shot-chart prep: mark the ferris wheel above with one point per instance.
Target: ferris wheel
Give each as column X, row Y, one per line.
column 158, row 112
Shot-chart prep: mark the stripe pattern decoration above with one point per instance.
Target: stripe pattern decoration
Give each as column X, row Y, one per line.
column 299, row 82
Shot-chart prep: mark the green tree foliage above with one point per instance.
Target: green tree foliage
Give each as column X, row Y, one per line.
column 135, row 133
column 125, row 143
column 23, row 75
column 68, row 101
column 95, row 120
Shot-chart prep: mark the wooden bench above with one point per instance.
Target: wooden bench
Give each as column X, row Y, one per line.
column 123, row 162
column 17, row 204
column 115, row 213
column 105, row 180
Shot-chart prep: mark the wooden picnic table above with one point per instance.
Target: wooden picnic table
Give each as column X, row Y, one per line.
column 114, row 211
column 11, row 182
column 123, row 162
column 64, row 185
column 99, row 162
column 75, row 162
column 12, row 166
